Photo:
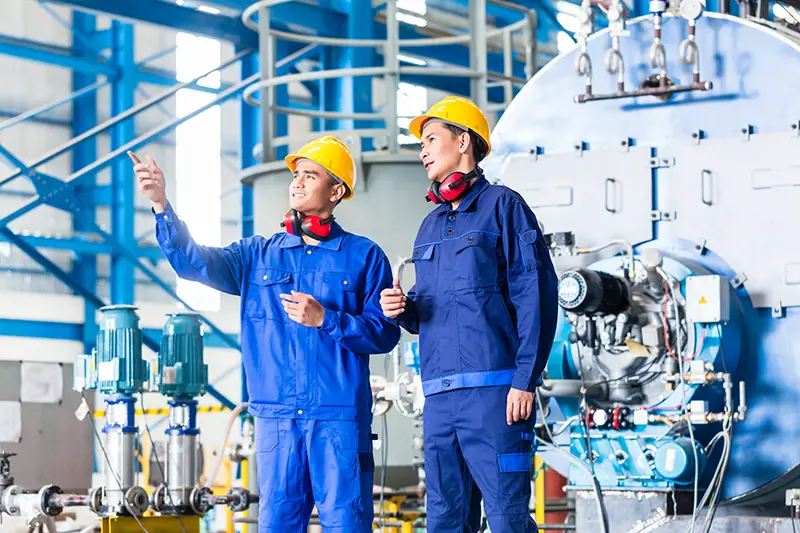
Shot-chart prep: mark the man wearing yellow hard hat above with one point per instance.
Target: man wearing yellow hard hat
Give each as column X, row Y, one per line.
column 485, row 308
column 311, row 317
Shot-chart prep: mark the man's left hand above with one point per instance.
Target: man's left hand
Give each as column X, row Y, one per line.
column 303, row 309
column 519, row 406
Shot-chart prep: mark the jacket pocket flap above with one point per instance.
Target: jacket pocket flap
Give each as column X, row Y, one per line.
column 343, row 281
column 423, row 252
column 269, row 276
column 478, row 238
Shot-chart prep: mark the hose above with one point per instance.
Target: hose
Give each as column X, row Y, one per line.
column 203, row 481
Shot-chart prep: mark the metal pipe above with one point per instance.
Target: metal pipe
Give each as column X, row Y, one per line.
column 391, row 79
column 509, row 5
column 453, row 71
column 328, row 114
column 531, row 44
column 328, row 41
column 70, row 500
column 127, row 114
column 309, row 76
column 300, row 138
column 247, row 20
column 654, row 91
column 267, row 56
column 508, row 68
column 102, row 163
column 47, row 107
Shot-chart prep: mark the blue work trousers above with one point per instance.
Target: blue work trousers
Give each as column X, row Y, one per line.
column 306, row 462
column 469, row 446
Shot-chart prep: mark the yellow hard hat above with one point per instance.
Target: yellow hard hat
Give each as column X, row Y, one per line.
column 333, row 156
column 458, row 111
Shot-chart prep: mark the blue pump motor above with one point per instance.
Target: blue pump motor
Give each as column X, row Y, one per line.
column 118, row 356
column 674, row 460
column 181, row 372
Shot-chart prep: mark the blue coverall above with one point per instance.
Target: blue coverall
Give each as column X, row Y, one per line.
column 309, row 388
column 485, row 308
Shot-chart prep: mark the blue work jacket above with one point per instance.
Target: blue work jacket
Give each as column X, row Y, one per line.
column 485, row 300
column 295, row 371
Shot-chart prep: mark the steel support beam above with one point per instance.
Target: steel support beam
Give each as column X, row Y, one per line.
column 171, row 15
column 84, row 117
column 54, row 55
column 282, row 49
column 354, row 94
column 165, row 78
column 122, row 182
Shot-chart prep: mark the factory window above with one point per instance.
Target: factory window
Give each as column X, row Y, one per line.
column 412, row 100
column 198, row 162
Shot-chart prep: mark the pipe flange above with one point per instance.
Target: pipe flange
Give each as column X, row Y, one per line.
column 96, row 500
column 159, row 499
column 45, row 495
column 8, row 503
column 136, row 501
column 199, row 500
column 239, row 499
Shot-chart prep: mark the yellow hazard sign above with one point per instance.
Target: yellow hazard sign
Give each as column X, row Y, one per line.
column 703, row 300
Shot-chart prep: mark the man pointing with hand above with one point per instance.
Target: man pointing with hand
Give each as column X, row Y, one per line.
column 311, row 316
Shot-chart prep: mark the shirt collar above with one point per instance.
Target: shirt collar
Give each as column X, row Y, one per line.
column 335, row 243
column 475, row 190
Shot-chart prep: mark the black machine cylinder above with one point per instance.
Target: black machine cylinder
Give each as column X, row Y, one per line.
column 591, row 292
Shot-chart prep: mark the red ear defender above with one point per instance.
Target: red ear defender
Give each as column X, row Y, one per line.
column 291, row 222
column 452, row 187
column 433, row 194
column 315, row 227
column 318, row 228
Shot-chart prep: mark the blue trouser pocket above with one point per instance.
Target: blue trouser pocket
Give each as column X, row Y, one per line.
column 514, row 462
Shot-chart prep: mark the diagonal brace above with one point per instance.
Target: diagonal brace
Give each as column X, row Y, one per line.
column 52, row 191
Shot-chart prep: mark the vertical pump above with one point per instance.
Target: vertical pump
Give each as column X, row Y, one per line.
column 181, row 375
column 116, row 369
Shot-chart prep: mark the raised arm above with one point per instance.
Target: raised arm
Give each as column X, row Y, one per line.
column 219, row 268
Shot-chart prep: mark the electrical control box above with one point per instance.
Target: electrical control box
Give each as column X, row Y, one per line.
column 708, row 299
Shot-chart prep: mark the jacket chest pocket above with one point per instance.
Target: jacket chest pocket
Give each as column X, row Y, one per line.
column 339, row 291
column 265, row 285
column 475, row 261
column 425, row 269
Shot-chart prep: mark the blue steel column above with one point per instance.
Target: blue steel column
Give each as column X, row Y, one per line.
column 84, row 117
column 282, row 50
column 354, row 94
column 122, row 182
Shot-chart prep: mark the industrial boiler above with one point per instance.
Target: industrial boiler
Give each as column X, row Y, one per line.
column 661, row 156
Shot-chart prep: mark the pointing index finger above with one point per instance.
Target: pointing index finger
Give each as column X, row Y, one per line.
column 134, row 158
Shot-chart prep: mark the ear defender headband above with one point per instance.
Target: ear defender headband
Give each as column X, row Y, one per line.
column 453, row 187
column 295, row 223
